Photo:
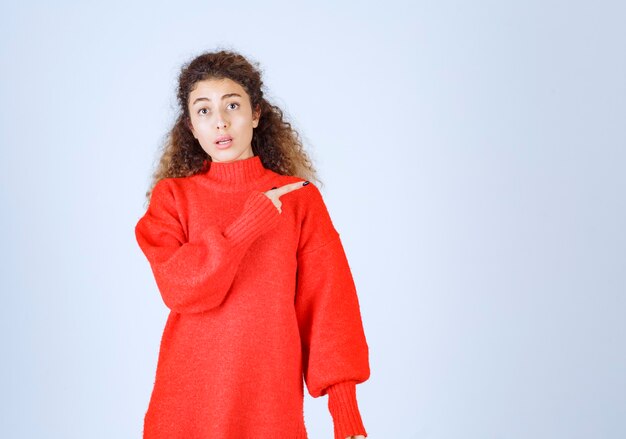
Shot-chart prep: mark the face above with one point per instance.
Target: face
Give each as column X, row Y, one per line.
column 220, row 109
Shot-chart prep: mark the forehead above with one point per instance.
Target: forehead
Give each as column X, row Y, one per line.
column 216, row 88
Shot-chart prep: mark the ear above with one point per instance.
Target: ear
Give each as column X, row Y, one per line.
column 256, row 116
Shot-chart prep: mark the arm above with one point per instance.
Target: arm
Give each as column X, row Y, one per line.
column 194, row 276
column 335, row 351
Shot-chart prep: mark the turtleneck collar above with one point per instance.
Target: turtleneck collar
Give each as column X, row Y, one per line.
column 238, row 174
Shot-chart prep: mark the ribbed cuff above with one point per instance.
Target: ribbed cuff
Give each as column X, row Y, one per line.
column 344, row 409
column 258, row 214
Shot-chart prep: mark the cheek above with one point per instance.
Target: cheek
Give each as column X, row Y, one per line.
column 245, row 123
column 202, row 126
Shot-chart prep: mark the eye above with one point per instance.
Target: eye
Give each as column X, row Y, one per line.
column 234, row 103
column 200, row 111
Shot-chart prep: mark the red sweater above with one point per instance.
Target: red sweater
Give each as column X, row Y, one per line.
column 258, row 300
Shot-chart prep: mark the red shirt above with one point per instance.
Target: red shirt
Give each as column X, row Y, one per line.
column 259, row 299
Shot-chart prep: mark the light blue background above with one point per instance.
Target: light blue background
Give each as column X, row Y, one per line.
column 473, row 157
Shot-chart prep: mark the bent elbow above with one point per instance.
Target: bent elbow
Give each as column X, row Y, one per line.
column 184, row 299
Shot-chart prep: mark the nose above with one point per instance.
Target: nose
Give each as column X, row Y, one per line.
column 221, row 121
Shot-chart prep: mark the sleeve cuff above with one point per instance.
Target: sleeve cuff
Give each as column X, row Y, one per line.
column 344, row 409
column 259, row 213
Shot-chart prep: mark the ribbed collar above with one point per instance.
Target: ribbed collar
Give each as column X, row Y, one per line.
column 238, row 174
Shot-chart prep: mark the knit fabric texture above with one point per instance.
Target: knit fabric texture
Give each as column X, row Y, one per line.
column 259, row 300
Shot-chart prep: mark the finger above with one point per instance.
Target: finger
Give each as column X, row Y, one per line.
column 290, row 187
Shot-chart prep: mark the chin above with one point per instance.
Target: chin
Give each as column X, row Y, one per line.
column 227, row 155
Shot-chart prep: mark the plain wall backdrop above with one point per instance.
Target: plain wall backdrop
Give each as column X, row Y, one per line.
column 473, row 157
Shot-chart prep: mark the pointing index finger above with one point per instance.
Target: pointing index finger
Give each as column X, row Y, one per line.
column 282, row 190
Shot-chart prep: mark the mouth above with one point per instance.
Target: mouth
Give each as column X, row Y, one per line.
column 223, row 142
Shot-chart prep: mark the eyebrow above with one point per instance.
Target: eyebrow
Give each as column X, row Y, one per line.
column 228, row 95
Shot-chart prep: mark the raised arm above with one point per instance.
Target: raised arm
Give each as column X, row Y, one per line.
column 194, row 276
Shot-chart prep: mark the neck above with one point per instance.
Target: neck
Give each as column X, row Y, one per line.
column 236, row 174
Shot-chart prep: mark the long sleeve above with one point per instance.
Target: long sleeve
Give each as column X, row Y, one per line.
column 335, row 350
column 194, row 276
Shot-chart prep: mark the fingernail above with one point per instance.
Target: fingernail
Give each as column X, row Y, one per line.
column 305, row 183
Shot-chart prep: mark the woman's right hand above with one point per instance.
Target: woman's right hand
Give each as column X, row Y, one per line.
column 275, row 193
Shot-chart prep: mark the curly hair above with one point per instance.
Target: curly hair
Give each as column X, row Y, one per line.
column 277, row 144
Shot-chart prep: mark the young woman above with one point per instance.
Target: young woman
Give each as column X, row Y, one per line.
column 246, row 257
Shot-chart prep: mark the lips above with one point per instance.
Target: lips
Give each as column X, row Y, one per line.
column 228, row 141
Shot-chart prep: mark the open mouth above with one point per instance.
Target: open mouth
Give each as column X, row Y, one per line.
column 224, row 143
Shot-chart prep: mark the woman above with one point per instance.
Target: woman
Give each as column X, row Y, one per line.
column 247, row 259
